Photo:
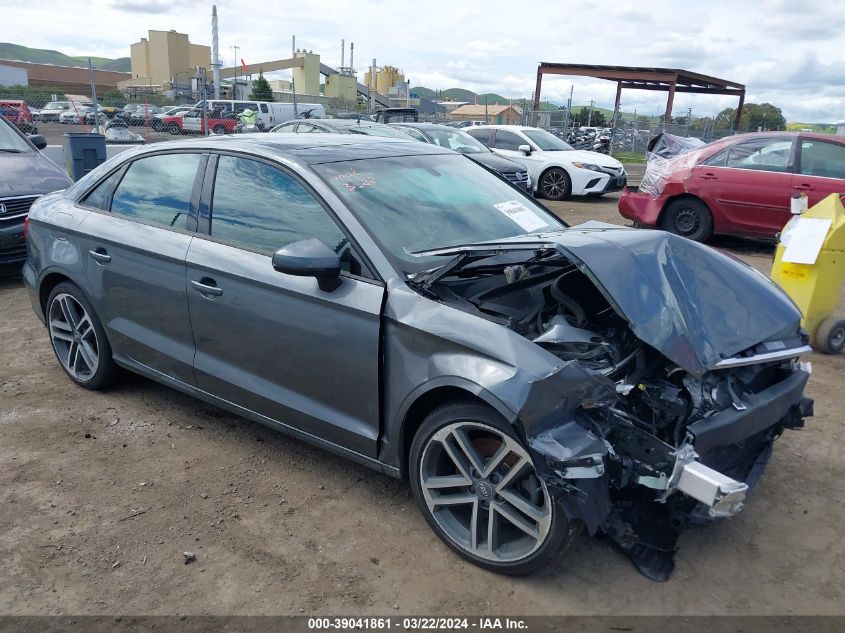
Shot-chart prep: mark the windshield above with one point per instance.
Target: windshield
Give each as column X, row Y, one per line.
column 54, row 106
column 547, row 142
column 10, row 140
column 413, row 203
column 457, row 141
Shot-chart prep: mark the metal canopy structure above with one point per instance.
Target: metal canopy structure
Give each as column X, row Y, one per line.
column 669, row 80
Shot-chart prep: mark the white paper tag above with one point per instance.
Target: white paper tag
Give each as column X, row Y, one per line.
column 805, row 240
column 522, row 215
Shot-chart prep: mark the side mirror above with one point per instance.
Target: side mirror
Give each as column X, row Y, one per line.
column 310, row 258
column 525, row 149
column 39, row 141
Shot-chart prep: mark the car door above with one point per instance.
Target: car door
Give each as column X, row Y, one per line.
column 747, row 185
column 192, row 121
column 506, row 143
column 820, row 169
column 135, row 245
column 277, row 344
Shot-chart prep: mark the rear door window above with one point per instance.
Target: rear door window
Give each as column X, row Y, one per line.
column 157, row 190
column 822, row 158
column 485, row 136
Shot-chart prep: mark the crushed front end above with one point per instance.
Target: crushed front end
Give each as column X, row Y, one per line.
column 678, row 368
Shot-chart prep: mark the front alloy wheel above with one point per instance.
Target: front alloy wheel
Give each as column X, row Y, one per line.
column 478, row 489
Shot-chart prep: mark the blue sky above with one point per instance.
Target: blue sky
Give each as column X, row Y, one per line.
column 789, row 53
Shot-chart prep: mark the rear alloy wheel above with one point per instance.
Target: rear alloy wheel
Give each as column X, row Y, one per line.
column 555, row 184
column 477, row 488
column 830, row 336
column 78, row 339
column 689, row 218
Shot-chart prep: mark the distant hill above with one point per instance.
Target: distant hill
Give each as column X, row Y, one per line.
column 44, row 56
column 821, row 128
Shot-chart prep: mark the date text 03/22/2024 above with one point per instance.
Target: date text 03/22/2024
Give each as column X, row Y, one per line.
column 417, row 623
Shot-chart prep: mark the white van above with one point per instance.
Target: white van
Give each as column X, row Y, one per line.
column 269, row 113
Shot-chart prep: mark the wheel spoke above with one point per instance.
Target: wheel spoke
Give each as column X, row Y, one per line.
column 88, row 356
column 61, row 335
column 496, row 459
column 468, row 449
column 522, row 505
column 84, row 326
column 517, row 520
column 71, row 357
column 453, row 500
column 68, row 311
column 457, row 458
column 446, row 481
column 492, row 529
column 60, row 325
column 515, row 470
column 473, row 525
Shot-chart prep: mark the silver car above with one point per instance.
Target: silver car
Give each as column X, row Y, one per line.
column 400, row 305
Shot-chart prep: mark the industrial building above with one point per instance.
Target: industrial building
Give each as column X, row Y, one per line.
column 13, row 76
column 387, row 77
column 166, row 58
column 68, row 79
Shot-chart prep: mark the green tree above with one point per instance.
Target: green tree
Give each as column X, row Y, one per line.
column 261, row 90
column 754, row 115
column 596, row 119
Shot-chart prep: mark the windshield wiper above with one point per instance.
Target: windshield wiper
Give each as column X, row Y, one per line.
column 467, row 253
column 10, row 150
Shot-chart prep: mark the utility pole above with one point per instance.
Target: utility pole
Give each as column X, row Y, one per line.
column 590, row 113
column 293, row 76
column 237, row 71
column 374, row 84
column 568, row 108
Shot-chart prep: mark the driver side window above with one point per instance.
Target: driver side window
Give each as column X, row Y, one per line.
column 261, row 208
column 760, row 155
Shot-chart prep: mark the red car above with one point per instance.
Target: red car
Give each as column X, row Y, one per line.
column 741, row 185
column 17, row 113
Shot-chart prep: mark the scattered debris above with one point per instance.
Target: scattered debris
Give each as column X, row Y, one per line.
column 189, row 557
column 134, row 514
column 116, row 564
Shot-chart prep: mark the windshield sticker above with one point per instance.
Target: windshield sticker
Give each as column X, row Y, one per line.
column 522, row 215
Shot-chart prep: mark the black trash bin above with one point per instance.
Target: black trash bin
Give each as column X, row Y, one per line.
column 83, row 152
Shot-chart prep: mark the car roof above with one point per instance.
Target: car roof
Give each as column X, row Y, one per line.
column 307, row 149
column 426, row 126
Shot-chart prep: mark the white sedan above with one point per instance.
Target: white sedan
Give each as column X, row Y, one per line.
column 557, row 170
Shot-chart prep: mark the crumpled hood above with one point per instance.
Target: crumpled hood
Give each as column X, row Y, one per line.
column 692, row 303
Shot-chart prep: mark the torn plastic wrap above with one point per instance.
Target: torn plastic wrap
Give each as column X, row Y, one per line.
column 666, row 155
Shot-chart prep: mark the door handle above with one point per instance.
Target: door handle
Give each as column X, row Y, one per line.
column 207, row 286
column 708, row 177
column 804, row 187
column 100, row 255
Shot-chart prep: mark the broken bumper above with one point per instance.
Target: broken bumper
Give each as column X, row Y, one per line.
column 640, row 208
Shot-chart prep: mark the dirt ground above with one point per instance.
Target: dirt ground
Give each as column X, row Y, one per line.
column 101, row 493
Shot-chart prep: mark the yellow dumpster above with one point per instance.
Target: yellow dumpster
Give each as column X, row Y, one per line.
column 810, row 265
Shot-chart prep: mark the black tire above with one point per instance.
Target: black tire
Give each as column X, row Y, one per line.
column 560, row 530
column 689, row 218
column 107, row 371
column 219, row 129
column 173, row 128
column 830, row 336
column 555, row 184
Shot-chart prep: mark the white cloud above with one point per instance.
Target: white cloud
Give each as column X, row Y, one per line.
column 788, row 53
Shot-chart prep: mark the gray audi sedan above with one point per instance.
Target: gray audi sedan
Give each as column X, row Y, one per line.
column 400, row 305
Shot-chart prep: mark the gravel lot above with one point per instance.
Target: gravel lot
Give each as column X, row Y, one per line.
column 101, row 493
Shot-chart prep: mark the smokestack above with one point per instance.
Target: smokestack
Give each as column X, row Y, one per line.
column 215, row 53
column 342, row 53
column 352, row 55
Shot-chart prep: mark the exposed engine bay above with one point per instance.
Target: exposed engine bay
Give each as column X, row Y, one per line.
column 661, row 448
